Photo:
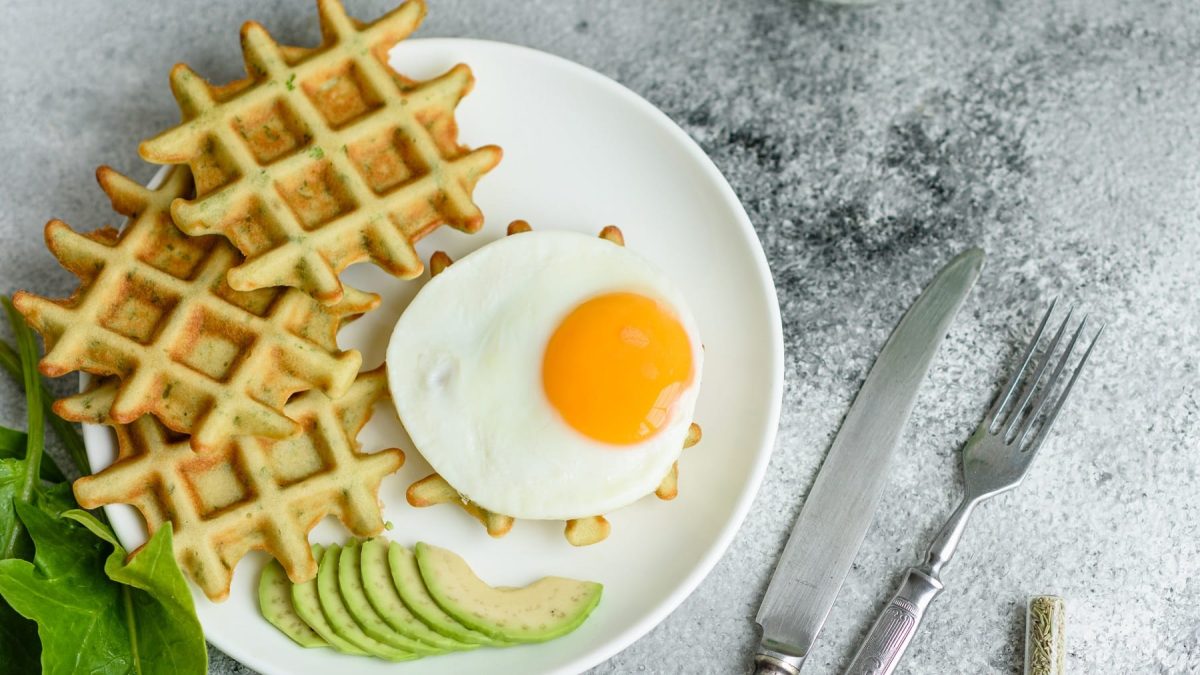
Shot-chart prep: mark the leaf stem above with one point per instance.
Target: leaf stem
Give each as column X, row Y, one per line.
column 65, row 431
column 32, row 465
column 35, row 413
column 131, row 621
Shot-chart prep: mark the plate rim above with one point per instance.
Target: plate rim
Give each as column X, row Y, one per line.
column 767, row 437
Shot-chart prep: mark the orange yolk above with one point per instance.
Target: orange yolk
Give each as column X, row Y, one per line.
column 615, row 365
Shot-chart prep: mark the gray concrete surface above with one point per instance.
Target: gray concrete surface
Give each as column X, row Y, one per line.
column 868, row 145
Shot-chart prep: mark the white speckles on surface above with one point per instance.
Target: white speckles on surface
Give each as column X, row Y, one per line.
column 869, row 146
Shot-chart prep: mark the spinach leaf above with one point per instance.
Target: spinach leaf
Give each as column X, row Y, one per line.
column 144, row 624
column 18, row 643
column 12, row 446
column 12, row 442
column 65, row 431
column 53, row 500
column 78, row 606
column 64, row 591
column 12, row 472
column 28, row 471
column 18, row 635
column 166, row 631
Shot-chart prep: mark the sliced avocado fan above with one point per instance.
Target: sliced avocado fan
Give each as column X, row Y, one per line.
column 546, row 609
column 350, row 583
column 385, row 599
column 275, row 603
column 379, row 599
column 334, row 608
column 308, row 607
column 411, row 587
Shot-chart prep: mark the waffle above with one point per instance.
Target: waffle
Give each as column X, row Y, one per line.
column 252, row 493
column 587, row 531
column 433, row 489
column 668, row 489
column 324, row 157
column 154, row 309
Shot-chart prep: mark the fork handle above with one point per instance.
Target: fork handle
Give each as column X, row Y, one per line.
column 880, row 652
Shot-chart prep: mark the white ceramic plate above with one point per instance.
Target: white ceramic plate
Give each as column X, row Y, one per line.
column 580, row 152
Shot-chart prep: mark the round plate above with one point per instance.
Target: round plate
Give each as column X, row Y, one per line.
column 580, row 152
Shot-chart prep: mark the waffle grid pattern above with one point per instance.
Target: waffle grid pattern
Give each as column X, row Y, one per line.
column 252, row 493
column 155, row 310
column 325, row 157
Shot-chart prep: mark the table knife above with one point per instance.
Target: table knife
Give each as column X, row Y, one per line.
column 841, row 503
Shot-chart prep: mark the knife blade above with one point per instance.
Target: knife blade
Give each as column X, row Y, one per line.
column 842, row 501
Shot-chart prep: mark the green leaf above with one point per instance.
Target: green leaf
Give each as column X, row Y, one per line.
column 12, row 472
column 12, row 443
column 55, row 499
column 168, row 634
column 65, row 591
column 30, row 470
column 18, row 636
column 145, row 623
column 18, row 643
column 65, row 430
column 12, row 446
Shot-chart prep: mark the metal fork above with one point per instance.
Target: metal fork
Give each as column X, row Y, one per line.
column 995, row 459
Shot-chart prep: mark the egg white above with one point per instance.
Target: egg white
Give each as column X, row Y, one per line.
column 465, row 371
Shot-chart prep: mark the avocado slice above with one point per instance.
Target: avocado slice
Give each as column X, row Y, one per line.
column 308, row 607
column 275, row 603
column 339, row 617
column 385, row 600
column 548, row 608
column 350, row 583
column 411, row 588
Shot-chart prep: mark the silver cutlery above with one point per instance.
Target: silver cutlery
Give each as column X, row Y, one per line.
column 841, row 503
column 995, row 459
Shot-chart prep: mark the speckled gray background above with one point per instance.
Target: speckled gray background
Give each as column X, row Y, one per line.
column 868, row 145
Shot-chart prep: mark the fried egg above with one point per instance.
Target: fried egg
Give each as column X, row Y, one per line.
column 548, row 375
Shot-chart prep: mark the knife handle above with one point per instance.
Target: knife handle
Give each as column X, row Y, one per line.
column 897, row 624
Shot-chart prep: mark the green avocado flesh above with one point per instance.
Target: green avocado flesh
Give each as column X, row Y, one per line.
column 308, row 607
column 350, row 583
column 407, row 579
column 546, row 609
column 385, row 599
column 339, row 617
column 275, row 603
column 377, row 598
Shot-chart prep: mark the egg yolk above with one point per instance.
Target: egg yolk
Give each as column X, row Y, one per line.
column 615, row 365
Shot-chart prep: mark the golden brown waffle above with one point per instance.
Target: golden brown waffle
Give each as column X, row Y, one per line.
column 252, row 493
column 324, row 157
column 154, row 309
column 668, row 489
column 433, row 489
column 587, row 531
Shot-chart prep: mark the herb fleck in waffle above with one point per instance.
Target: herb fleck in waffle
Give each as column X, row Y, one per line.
column 154, row 309
column 324, row 157
column 252, row 493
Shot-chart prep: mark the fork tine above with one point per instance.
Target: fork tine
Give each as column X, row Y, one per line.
column 1048, row 388
column 1014, row 417
column 1053, row 414
column 1011, row 386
